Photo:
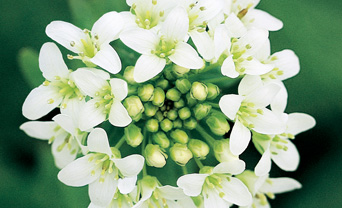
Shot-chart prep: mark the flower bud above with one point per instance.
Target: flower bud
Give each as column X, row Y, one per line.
column 152, row 125
column 133, row 135
column 190, row 123
column 169, row 74
column 183, row 85
column 172, row 114
column 161, row 139
column 180, row 154
column 173, row 94
column 145, row 92
column 222, row 151
column 201, row 110
column 159, row 116
column 213, row 91
column 184, row 113
column 177, row 123
column 180, row 71
column 190, row 100
column 180, row 136
column 134, row 107
column 198, row 148
column 128, row 75
column 162, row 83
column 155, row 156
column 218, row 124
column 150, row 109
column 158, row 97
column 166, row 125
column 199, row 91
column 180, row 103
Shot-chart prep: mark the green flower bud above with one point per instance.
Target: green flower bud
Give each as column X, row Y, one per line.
column 218, row 124
column 148, row 181
column 180, row 136
column 158, row 97
column 169, row 74
column 213, row 91
column 180, row 154
column 180, row 71
column 180, row 103
column 173, row 94
column 190, row 123
column 222, row 151
column 150, row 109
column 159, row 116
column 184, row 113
column 145, row 92
column 190, row 100
column 172, row 114
column 183, row 85
column 166, row 125
column 162, row 83
column 152, row 125
column 199, row 91
column 198, row 148
column 201, row 110
column 134, row 107
column 161, row 139
column 155, row 156
column 128, row 75
column 133, row 135
column 177, row 123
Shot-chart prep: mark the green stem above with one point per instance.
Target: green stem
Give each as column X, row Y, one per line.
column 120, row 142
column 143, row 150
column 199, row 163
column 185, row 170
column 215, row 105
column 205, row 135
column 216, row 79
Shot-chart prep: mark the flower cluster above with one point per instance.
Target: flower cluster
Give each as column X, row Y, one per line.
column 176, row 104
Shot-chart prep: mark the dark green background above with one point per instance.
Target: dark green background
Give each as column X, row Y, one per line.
column 312, row 28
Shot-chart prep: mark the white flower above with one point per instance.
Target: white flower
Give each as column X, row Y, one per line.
column 103, row 170
column 158, row 49
column 217, row 186
column 260, row 187
column 58, row 87
column 248, row 110
column 92, row 46
column 106, row 102
column 278, row 147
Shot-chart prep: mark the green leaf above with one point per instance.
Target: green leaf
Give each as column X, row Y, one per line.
column 28, row 62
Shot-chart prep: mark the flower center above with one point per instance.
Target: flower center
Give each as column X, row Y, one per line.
column 246, row 111
column 147, row 18
column 165, row 48
column 104, row 98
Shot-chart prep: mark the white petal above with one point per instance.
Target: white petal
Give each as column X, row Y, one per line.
column 88, row 82
column 51, row 62
column 91, row 116
column 267, row 123
column 212, row 199
column 263, row 96
column 255, row 38
column 230, row 105
column 255, row 67
column 130, row 165
column 98, row 141
column 234, row 26
column 288, row 62
column 264, row 52
column 147, row 67
column 204, row 44
column 228, row 68
column 192, row 183
column 280, row 100
column 39, row 129
column 186, row 56
column 126, row 185
column 73, row 109
column 67, row 154
column 140, row 40
column 171, row 193
column 118, row 115
column 286, row 160
column 100, row 73
column 176, row 24
column 64, row 33
column 280, row 185
column 239, row 138
column 262, row 20
column 79, row 172
column 108, row 27
column 119, row 88
column 108, row 59
column 221, row 40
column 248, row 84
column 264, row 165
column 101, row 193
column 233, row 167
column 299, row 122
column 236, row 192
column 36, row 103
column 66, row 122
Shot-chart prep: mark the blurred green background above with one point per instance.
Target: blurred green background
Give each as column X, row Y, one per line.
column 312, row 28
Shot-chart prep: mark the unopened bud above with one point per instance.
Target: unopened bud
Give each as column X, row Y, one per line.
column 184, row 113
column 128, row 75
column 150, row 109
column 158, row 97
column 155, row 156
column 180, row 103
column 198, row 148
column 145, row 92
column 190, row 123
column 218, row 124
column 133, row 135
column 172, row 114
column 183, row 85
column 201, row 110
column 199, row 91
column 177, row 123
column 180, row 136
column 213, row 91
column 161, row 139
column 180, row 71
column 190, row 100
column 169, row 74
column 152, row 125
column 162, row 83
column 166, row 125
column 134, row 107
column 173, row 94
column 180, row 154
column 222, row 151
